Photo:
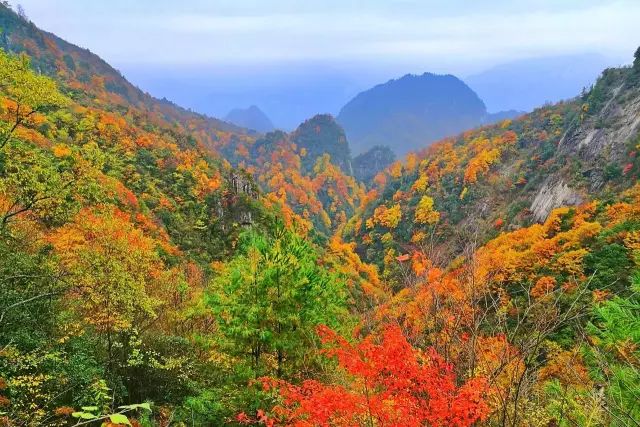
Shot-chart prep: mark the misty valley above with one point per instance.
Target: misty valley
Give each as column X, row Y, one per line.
column 426, row 250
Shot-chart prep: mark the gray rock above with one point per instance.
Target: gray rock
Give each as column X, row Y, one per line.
column 553, row 194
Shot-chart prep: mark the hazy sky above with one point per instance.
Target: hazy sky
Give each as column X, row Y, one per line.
column 160, row 42
column 243, row 31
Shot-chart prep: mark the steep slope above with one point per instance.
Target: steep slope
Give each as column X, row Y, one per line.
column 322, row 135
column 116, row 214
column 112, row 217
column 84, row 72
column 543, row 302
column 602, row 144
column 250, row 118
column 410, row 112
column 507, row 175
column 93, row 83
column 144, row 281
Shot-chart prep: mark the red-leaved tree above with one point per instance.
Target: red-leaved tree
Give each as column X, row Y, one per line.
column 387, row 382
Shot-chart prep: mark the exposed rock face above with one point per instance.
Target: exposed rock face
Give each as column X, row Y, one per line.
column 600, row 138
column 553, row 194
column 235, row 206
column 242, row 184
column 603, row 136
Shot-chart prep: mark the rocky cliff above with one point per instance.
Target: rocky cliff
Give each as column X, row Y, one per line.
column 599, row 141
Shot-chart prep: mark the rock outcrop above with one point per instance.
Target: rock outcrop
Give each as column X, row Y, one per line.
column 553, row 194
column 598, row 141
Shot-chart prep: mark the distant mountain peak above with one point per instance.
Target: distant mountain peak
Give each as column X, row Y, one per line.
column 251, row 117
column 410, row 112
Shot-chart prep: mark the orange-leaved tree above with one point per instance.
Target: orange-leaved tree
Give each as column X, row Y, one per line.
column 387, row 382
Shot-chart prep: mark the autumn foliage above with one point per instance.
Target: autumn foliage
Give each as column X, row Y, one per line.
column 156, row 264
column 388, row 382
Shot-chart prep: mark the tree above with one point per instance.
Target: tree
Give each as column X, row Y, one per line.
column 614, row 353
column 425, row 213
column 21, row 12
column 113, row 267
column 29, row 291
column 388, row 217
column 33, row 181
column 270, row 297
column 28, row 93
column 386, row 382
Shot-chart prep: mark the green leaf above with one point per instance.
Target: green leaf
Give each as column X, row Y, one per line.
column 119, row 419
column 137, row 406
column 90, row 408
column 83, row 415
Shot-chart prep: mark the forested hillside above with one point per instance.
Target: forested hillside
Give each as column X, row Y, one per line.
column 93, row 83
column 161, row 268
column 506, row 176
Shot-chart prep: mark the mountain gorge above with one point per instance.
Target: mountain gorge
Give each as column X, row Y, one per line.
column 161, row 267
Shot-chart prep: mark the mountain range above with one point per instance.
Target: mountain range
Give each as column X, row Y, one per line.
column 160, row 267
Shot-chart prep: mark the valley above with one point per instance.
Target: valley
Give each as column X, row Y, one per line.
column 413, row 261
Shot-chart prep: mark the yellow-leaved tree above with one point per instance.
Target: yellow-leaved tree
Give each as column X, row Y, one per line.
column 425, row 213
column 25, row 94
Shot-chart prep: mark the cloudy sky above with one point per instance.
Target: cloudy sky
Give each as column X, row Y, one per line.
column 232, row 42
column 245, row 32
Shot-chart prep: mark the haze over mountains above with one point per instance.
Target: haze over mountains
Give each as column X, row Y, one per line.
column 291, row 97
column 160, row 267
column 287, row 95
column 530, row 83
column 251, row 118
column 292, row 94
column 216, row 56
column 409, row 113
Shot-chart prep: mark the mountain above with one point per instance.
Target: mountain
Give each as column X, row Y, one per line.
column 513, row 173
column 499, row 116
column 289, row 94
column 160, row 267
column 317, row 137
column 94, row 83
column 323, row 135
column 529, row 83
column 311, row 168
column 122, row 215
column 367, row 165
column 410, row 112
column 86, row 73
column 529, row 228
column 250, row 118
